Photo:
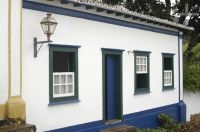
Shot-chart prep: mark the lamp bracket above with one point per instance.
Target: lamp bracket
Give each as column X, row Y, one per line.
column 36, row 49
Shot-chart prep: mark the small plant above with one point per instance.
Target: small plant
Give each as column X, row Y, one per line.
column 164, row 121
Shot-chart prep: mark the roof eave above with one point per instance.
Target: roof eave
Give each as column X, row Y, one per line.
column 100, row 7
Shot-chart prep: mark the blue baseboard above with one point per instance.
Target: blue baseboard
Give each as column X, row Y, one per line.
column 143, row 119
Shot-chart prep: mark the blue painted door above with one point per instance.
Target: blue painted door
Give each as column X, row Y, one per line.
column 111, row 86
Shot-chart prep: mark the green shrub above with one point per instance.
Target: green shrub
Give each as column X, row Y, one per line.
column 192, row 76
column 164, row 121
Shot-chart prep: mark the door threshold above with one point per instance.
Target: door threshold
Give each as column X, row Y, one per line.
column 112, row 121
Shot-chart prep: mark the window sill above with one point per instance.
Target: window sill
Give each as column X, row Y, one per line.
column 168, row 89
column 144, row 92
column 63, row 102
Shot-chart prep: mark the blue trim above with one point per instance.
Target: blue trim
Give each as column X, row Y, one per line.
column 64, row 102
column 115, row 50
column 143, row 119
column 87, row 127
column 88, row 16
column 64, row 46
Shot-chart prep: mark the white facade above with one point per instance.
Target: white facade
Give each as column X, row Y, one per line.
column 4, row 53
column 91, row 36
column 13, row 50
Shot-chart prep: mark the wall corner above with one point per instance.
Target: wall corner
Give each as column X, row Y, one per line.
column 182, row 111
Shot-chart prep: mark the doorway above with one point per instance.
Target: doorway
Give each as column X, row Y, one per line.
column 112, row 86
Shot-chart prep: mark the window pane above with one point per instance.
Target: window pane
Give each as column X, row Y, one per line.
column 137, row 60
column 168, row 63
column 63, row 61
column 69, row 78
column 141, row 68
column 137, row 68
column 170, row 74
column 145, row 60
column 63, row 89
column 141, row 60
column 63, row 79
column 56, row 79
column 145, row 68
column 142, row 81
column 70, row 89
column 56, row 89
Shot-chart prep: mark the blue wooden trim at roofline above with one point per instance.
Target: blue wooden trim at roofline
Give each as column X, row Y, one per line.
column 142, row 119
column 68, row 12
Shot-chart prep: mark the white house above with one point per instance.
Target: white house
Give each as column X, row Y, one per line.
column 106, row 66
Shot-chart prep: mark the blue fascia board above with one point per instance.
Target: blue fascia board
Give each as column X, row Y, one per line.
column 78, row 14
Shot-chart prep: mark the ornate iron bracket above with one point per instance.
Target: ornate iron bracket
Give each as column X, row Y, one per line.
column 36, row 49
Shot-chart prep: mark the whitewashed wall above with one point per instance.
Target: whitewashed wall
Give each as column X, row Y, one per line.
column 14, row 50
column 192, row 103
column 4, row 52
column 91, row 36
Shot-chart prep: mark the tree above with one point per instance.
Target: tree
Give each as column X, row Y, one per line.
column 194, row 21
column 149, row 7
column 168, row 8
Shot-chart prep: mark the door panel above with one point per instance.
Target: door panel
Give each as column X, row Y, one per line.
column 111, row 86
column 113, row 92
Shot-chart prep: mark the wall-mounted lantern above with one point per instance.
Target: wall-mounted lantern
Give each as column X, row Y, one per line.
column 48, row 25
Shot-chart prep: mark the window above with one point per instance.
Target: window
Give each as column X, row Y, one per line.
column 141, row 72
column 63, row 76
column 168, row 71
column 63, row 84
column 141, row 64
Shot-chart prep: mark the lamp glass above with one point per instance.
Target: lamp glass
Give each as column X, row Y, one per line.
column 48, row 25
